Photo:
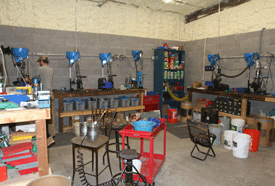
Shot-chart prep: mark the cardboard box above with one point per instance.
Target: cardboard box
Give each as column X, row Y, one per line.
column 165, row 109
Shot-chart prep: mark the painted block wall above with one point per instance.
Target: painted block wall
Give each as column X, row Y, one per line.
column 48, row 41
column 232, row 45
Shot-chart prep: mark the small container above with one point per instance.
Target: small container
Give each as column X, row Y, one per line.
column 134, row 102
column 83, row 128
column 80, row 105
column 113, row 103
column 93, row 131
column 91, row 105
column 68, row 105
column 103, row 104
column 124, row 101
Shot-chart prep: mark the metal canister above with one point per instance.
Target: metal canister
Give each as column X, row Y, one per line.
column 171, row 75
column 182, row 74
column 83, row 128
column 93, row 131
column 165, row 74
column 168, row 74
column 176, row 75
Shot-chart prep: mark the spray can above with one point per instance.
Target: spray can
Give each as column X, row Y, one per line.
column 182, row 74
column 35, row 84
column 165, row 74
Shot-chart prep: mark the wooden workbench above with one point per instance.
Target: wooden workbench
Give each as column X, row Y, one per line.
column 39, row 116
column 243, row 97
column 69, row 94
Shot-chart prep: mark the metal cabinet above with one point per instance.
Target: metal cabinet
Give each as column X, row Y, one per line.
column 169, row 66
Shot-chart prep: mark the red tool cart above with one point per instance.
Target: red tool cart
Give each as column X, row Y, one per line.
column 152, row 162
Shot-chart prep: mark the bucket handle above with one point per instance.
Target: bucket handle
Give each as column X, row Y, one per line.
column 259, row 126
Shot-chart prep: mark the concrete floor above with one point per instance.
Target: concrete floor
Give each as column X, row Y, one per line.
column 180, row 168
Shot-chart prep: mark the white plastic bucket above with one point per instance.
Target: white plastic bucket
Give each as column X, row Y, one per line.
column 238, row 125
column 228, row 138
column 76, row 128
column 241, row 145
column 217, row 130
column 225, row 120
column 137, row 163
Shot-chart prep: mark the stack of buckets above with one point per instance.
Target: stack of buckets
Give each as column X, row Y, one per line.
column 241, row 140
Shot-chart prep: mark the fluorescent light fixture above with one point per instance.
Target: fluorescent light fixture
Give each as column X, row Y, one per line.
column 168, row 1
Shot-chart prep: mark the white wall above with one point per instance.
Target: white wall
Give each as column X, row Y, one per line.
column 248, row 17
column 130, row 21
column 109, row 19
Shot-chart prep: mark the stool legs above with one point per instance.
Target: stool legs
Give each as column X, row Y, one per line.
column 117, row 142
column 96, row 171
column 73, row 165
column 93, row 160
column 108, row 159
column 117, row 151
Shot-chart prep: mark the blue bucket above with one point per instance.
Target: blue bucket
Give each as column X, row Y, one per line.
column 143, row 125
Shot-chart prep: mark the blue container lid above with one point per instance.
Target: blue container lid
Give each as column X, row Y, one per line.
column 70, row 101
column 124, row 97
column 17, row 98
column 76, row 100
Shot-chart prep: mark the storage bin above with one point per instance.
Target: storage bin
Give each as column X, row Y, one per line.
column 80, row 104
column 151, row 102
column 91, row 105
column 113, row 103
column 124, row 101
column 103, row 103
column 68, row 105
column 134, row 102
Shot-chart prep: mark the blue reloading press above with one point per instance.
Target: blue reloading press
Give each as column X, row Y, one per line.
column 106, row 59
column 251, row 59
column 73, row 57
column 137, row 55
column 19, row 55
column 215, row 84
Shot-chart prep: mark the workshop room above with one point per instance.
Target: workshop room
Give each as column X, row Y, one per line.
column 137, row 92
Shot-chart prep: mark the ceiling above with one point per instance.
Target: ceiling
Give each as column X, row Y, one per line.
column 184, row 7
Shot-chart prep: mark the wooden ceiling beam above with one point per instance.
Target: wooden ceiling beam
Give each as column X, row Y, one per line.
column 214, row 9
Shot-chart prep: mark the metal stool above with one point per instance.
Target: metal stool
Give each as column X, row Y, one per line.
column 117, row 143
column 94, row 146
column 128, row 155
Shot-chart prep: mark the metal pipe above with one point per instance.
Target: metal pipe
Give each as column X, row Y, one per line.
column 82, row 55
column 235, row 57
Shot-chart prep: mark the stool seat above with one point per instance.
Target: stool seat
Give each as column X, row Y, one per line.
column 100, row 141
column 129, row 154
column 94, row 146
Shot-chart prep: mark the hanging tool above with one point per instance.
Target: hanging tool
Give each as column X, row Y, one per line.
column 73, row 57
column 106, row 59
column 137, row 55
column 19, row 54
column 215, row 84
column 251, row 59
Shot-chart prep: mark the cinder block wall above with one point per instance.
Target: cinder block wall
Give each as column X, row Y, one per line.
column 232, row 45
column 59, row 42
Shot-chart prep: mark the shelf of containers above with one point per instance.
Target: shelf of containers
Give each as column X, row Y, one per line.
column 169, row 66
